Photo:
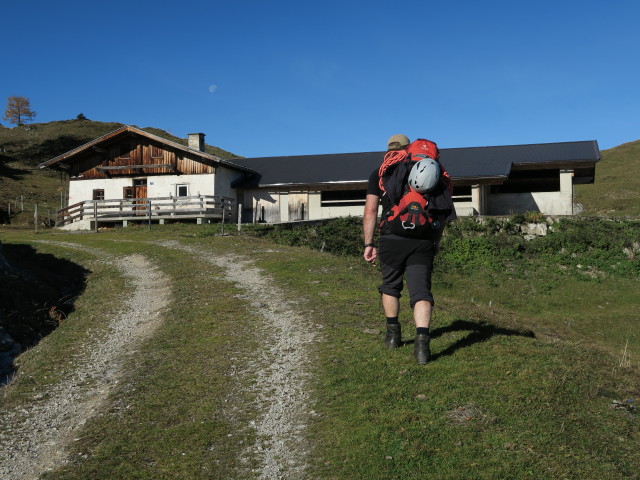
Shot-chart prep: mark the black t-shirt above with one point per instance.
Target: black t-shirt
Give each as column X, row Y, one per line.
column 373, row 188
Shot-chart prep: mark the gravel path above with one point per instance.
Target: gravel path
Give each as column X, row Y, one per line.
column 33, row 439
column 281, row 367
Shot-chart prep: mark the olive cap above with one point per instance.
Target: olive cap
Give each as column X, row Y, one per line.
column 397, row 142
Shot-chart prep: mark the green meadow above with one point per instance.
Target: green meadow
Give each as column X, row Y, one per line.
column 535, row 345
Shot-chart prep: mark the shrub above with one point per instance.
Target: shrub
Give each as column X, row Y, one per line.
column 341, row 236
column 495, row 244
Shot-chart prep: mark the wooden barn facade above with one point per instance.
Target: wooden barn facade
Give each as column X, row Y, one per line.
column 132, row 175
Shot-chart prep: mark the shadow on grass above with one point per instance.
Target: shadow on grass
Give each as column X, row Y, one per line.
column 7, row 171
column 478, row 332
column 37, row 292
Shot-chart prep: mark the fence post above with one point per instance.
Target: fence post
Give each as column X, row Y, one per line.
column 95, row 216
column 239, row 216
column 35, row 217
column 149, row 213
column 223, row 208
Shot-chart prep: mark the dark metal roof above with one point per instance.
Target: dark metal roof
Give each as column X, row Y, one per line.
column 313, row 169
column 473, row 163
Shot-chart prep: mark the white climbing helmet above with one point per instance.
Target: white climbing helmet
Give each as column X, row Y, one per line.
column 424, row 175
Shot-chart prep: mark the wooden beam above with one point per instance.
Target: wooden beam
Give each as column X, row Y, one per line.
column 133, row 167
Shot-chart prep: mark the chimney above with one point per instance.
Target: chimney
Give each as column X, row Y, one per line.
column 196, row 141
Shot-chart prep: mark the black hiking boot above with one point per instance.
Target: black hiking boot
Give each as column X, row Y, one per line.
column 392, row 340
column 421, row 349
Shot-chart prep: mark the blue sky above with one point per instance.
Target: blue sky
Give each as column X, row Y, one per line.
column 266, row 78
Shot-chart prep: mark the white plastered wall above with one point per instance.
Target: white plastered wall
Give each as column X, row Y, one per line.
column 224, row 178
column 318, row 212
column 471, row 207
column 158, row 185
column 82, row 190
column 275, row 205
column 165, row 186
column 548, row 203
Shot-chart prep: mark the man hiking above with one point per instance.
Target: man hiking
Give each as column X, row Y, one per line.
column 415, row 192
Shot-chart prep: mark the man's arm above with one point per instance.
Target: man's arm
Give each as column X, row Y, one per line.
column 369, row 223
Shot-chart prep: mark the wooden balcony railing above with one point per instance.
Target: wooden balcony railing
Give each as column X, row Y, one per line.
column 201, row 206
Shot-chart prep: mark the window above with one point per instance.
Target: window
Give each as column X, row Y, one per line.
column 125, row 151
column 98, row 194
column 156, row 152
column 128, row 192
column 182, row 190
column 462, row 193
column 526, row 181
column 343, row 198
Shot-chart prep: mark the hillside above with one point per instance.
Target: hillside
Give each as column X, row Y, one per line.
column 616, row 191
column 23, row 148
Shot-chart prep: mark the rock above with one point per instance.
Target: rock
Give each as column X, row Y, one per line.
column 534, row 229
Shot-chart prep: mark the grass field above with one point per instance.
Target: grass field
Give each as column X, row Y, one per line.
column 616, row 190
column 535, row 372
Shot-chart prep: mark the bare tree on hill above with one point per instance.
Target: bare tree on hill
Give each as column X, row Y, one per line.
column 18, row 110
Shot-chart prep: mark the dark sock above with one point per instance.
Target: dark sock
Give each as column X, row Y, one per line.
column 424, row 330
column 392, row 320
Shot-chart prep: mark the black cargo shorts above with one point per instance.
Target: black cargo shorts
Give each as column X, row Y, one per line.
column 413, row 256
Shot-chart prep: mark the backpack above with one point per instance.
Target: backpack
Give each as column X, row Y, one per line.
column 413, row 214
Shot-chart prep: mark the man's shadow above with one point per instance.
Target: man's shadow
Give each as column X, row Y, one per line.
column 479, row 331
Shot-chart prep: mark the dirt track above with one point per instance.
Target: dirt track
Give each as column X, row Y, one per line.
column 34, row 439
column 281, row 368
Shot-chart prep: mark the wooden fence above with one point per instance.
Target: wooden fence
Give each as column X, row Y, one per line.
column 148, row 209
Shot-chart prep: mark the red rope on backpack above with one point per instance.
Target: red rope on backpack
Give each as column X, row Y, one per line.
column 390, row 158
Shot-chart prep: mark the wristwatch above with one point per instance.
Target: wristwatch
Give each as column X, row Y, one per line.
column 369, row 245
